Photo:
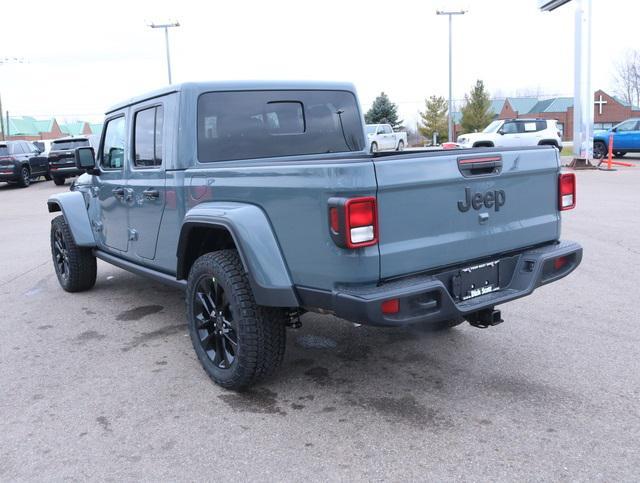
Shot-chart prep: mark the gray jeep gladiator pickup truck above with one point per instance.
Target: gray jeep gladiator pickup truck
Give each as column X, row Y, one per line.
column 261, row 201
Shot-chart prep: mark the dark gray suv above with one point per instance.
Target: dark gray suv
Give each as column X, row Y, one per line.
column 20, row 162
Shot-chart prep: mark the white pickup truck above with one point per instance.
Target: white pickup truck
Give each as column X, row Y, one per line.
column 382, row 138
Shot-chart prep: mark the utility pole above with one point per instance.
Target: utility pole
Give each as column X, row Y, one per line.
column 166, row 27
column 2, row 121
column 450, row 110
column 4, row 61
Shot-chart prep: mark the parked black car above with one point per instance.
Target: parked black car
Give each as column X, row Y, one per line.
column 20, row 162
column 61, row 157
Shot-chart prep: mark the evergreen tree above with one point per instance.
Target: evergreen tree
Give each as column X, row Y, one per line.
column 434, row 118
column 383, row 111
column 475, row 112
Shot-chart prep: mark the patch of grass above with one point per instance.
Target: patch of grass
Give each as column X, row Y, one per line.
column 566, row 151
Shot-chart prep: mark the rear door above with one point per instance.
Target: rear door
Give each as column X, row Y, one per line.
column 146, row 177
column 448, row 209
column 389, row 137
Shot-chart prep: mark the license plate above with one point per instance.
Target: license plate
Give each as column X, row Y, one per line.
column 479, row 280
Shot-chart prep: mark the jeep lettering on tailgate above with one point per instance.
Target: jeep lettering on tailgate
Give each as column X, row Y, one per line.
column 491, row 199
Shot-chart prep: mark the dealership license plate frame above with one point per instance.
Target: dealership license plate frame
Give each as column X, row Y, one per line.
column 479, row 279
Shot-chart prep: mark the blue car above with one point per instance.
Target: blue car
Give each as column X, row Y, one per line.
column 626, row 138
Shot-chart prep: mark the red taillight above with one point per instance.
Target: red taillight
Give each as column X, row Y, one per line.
column 560, row 262
column 335, row 221
column 391, row 306
column 361, row 229
column 566, row 191
column 353, row 221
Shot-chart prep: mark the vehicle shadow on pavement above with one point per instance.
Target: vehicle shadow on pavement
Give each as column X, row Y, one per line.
column 407, row 375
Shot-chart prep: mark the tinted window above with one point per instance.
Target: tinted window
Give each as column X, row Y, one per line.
column 148, row 137
column 4, row 150
column 158, row 134
column 260, row 124
column 541, row 125
column 509, row 128
column 112, row 154
column 68, row 144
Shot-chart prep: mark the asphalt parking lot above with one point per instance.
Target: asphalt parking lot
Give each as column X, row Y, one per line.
column 105, row 384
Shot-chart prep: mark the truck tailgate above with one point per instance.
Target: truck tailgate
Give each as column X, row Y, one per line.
column 439, row 209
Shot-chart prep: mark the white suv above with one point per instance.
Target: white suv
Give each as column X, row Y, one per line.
column 514, row 133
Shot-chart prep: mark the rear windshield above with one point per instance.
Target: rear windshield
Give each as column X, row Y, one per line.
column 4, row 150
column 262, row 124
column 71, row 144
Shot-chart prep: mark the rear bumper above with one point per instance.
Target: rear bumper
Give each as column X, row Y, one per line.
column 429, row 299
column 9, row 173
column 64, row 171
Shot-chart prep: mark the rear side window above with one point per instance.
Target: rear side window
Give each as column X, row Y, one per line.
column 4, row 150
column 262, row 124
column 148, row 137
column 541, row 125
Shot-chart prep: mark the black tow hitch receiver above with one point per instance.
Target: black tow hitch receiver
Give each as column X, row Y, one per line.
column 485, row 318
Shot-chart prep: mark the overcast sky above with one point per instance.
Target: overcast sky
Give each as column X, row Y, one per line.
column 84, row 56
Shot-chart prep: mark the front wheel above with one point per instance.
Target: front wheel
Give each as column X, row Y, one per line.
column 25, row 177
column 599, row 150
column 75, row 266
column 237, row 341
column 400, row 145
column 58, row 180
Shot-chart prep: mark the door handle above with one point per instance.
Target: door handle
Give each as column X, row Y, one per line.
column 151, row 194
column 118, row 192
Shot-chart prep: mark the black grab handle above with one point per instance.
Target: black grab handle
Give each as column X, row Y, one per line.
column 480, row 165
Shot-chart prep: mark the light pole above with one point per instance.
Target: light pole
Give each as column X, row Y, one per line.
column 166, row 27
column 3, row 61
column 449, row 111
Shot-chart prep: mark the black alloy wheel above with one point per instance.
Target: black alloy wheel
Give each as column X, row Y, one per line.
column 214, row 323
column 60, row 254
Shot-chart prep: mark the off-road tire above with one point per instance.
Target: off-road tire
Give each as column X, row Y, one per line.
column 59, row 181
column 78, row 269
column 25, row 177
column 260, row 332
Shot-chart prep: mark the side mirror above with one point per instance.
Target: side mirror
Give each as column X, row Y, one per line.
column 501, row 132
column 85, row 158
column 614, row 129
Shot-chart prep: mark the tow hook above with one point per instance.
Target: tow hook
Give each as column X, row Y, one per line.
column 485, row 318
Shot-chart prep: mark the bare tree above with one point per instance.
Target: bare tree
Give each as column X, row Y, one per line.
column 627, row 77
